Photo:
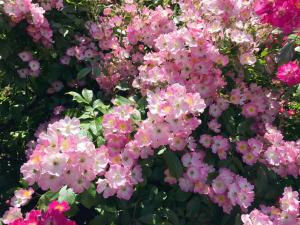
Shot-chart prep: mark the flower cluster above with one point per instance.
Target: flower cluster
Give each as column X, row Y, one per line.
column 118, row 60
column 171, row 118
column 229, row 189
column 282, row 156
column 257, row 102
column 187, row 63
column 53, row 215
column 33, row 65
column 187, row 57
column 195, row 177
column 38, row 28
column 49, row 4
column 62, row 156
column 287, row 213
column 121, row 154
column 118, row 125
column 289, row 73
column 218, row 144
column 283, row 14
column 224, row 19
column 149, row 25
column 250, row 149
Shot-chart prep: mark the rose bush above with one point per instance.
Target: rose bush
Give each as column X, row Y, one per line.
column 150, row 112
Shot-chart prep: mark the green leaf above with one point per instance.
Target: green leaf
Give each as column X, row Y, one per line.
column 125, row 218
column 66, row 194
column 285, row 54
column 77, row 97
column 174, row 164
column 96, row 71
column 136, row 117
column 229, row 121
column 243, row 128
column 88, row 198
column 150, row 219
column 238, row 220
column 261, row 182
column 98, row 104
column 100, row 141
column 98, row 220
column 181, row 196
column 83, row 72
column 171, row 216
column 86, row 115
column 87, row 95
column 96, row 127
column 119, row 100
column 45, row 199
column 74, row 209
column 193, row 206
column 123, row 86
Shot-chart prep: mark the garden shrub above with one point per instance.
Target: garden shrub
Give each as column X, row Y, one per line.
column 150, row 112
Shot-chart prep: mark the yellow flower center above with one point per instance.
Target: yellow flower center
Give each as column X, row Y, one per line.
column 59, row 208
column 27, row 194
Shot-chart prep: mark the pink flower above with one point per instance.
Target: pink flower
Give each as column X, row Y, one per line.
column 103, row 187
column 37, row 15
column 220, row 146
column 23, row 73
column 250, row 110
column 136, row 175
column 256, row 217
column 214, row 126
column 242, row 146
column 160, row 135
column 116, row 176
column 247, row 58
column 125, row 192
column 65, row 60
column 177, row 143
column 219, row 186
column 215, row 110
column 185, row 184
column 57, row 86
column 34, row 65
column 287, row 214
column 55, row 217
column 24, row 6
column 25, row 56
column 193, row 173
column 205, row 140
column 186, row 159
column 168, row 178
column 58, row 206
column 249, row 158
column 58, row 110
column 143, row 138
column 11, row 215
column 107, row 11
column 289, row 73
column 255, row 145
column 290, row 201
column 278, row 12
column 22, row 196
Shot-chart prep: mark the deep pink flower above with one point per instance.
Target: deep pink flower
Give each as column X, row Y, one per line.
column 58, row 206
column 289, row 73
